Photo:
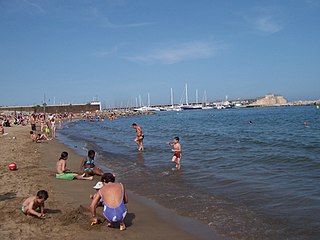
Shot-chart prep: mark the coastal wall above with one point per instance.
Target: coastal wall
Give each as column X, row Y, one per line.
column 270, row 100
column 74, row 108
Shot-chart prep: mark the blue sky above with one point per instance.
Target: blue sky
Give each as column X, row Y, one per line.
column 75, row 50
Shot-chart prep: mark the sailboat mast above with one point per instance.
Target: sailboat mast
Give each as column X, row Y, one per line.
column 187, row 94
column 197, row 98
column 205, row 96
column 148, row 100
column 171, row 97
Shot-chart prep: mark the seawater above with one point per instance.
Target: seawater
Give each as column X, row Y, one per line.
column 246, row 181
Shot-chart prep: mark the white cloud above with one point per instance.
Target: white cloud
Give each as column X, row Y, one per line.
column 267, row 24
column 107, row 23
column 34, row 5
column 106, row 53
column 178, row 53
column 265, row 20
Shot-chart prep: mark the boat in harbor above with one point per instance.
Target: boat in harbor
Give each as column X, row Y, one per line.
column 172, row 107
column 188, row 106
column 205, row 104
column 147, row 108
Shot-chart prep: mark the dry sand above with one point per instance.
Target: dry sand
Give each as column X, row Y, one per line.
column 67, row 212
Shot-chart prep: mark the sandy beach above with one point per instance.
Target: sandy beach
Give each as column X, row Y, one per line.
column 67, row 214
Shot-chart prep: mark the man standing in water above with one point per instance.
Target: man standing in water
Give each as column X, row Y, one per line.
column 139, row 136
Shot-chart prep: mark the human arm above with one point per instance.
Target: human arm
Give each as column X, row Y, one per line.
column 93, row 207
column 32, row 211
column 63, row 166
column 125, row 196
column 42, row 209
column 82, row 164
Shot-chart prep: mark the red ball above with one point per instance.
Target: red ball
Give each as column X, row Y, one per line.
column 12, row 166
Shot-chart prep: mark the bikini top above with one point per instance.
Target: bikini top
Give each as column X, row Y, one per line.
column 121, row 203
column 89, row 161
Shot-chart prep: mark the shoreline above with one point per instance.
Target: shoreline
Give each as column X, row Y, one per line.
column 68, row 202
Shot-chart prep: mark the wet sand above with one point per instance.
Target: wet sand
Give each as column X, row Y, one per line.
column 67, row 214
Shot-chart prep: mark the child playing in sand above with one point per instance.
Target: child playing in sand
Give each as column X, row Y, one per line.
column 64, row 173
column 97, row 187
column 176, row 152
column 31, row 204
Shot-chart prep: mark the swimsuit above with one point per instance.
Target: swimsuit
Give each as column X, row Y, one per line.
column 23, row 209
column 116, row 214
column 88, row 162
column 66, row 176
column 177, row 155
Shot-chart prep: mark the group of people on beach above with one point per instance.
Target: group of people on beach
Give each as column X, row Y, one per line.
column 48, row 123
column 110, row 195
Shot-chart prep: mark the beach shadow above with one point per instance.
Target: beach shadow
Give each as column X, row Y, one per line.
column 43, row 141
column 129, row 219
column 53, row 211
column 7, row 196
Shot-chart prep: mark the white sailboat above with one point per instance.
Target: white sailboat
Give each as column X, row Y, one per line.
column 172, row 107
column 188, row 106
column 147, row 108
column 205, row 106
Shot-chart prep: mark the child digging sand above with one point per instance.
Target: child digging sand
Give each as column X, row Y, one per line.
column 64, row 173
column 31, row 204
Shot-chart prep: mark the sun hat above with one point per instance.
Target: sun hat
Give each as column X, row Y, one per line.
column 98, row 185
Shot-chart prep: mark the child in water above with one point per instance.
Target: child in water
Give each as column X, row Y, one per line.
column 176, row 152
column 31, row 204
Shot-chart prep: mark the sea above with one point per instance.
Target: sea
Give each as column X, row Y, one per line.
column 250, row 173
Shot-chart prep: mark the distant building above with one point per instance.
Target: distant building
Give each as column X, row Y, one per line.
column 270, row 100
column 74, row 108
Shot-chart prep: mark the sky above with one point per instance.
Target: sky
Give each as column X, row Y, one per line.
column 72, row 51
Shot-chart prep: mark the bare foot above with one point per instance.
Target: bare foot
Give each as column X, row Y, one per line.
column 122, row 226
